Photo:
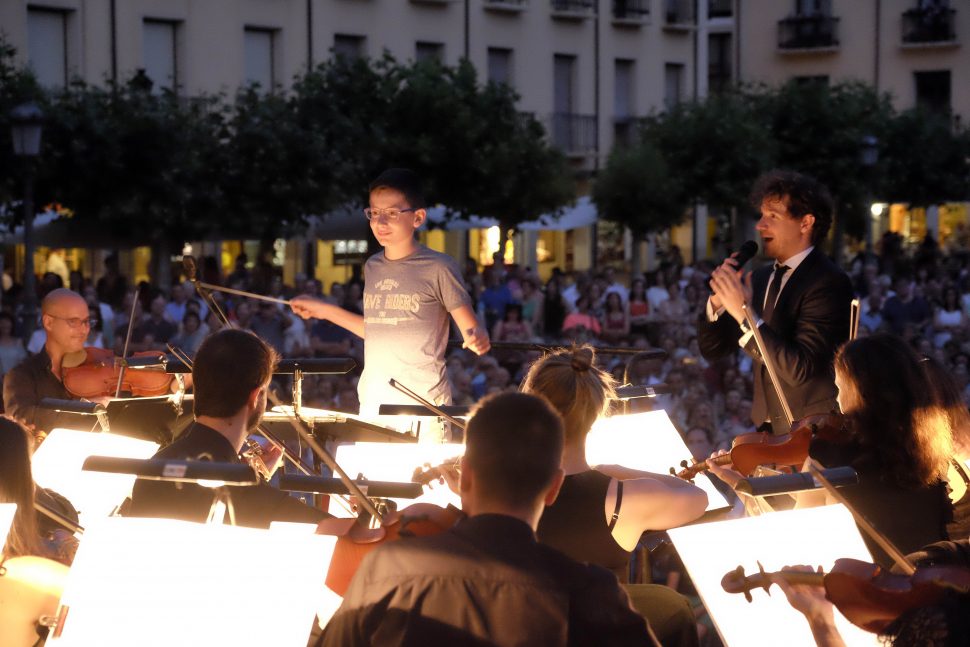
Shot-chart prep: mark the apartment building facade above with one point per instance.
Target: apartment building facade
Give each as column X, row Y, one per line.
column 916, row 50
column 585, row 68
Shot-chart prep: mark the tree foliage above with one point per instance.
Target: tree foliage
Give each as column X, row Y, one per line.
column 149, row 165
column 714, row 149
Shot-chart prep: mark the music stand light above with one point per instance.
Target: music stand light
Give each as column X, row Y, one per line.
column 397, row 462
column 163, row 582
column 813, row 537
column 57, row 465
column 645, row 441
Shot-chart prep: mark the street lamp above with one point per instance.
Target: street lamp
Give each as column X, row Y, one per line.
column 869, row 157
column 26, row 125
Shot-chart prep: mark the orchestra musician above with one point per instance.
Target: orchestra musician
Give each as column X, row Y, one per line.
column 409, row 293
column 949, row 395
column 801, row 302
column 231, row 374
column 600, row 514
column 896, row 437
column 67, row 321
column 31, row 533
column 487, row 580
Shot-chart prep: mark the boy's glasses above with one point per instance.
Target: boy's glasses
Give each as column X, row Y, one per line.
column 391, row 215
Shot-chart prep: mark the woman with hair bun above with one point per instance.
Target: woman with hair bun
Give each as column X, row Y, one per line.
column 601, row 513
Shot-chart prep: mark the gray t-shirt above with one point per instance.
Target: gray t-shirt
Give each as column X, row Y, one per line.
column 406, row 322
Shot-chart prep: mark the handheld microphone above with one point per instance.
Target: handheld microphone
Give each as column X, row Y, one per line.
column 745, row 253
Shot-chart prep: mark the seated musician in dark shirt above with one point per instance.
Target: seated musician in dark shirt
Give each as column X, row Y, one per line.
column 231, row 373
column 66, row 320
column 487, row 581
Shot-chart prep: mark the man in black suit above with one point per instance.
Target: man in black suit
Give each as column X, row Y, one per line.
column 801, row 302
column 231, row 373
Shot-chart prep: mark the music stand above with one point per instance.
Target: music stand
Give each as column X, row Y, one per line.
column 645, row 441
column 163, row 582
column 159, row 419
column 813, row 537
column 336, row 425
column 57, row 465
column 396, row 462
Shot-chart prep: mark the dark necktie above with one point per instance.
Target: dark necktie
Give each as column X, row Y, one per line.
column 773, row 291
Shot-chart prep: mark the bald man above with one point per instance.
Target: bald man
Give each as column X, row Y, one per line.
column 66, row 320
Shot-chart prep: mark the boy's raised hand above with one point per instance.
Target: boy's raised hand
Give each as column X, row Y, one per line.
column 477, row 340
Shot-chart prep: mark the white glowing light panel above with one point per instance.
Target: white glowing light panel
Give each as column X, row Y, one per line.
column 162, row 582
column 813, row 537
column 7, row 511
column 397, row 462
column 645, row 441
column 57, row 465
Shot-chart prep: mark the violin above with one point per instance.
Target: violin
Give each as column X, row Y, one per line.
column 427, row 473
column 95, row 373
column 354, row 541
column 868, row 596
column 748, row 451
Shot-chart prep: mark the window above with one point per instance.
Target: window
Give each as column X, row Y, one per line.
column 673, row 84
column 500, row 65
column 259, row 57
column 623, row 91
column 813, row 7
column 564, row 81
column 933, row 91
column 424, row 51
column 623, row 100
column 47, row 46
column 718, row 62
column 349, row 252
column 348, row 46
column 821, row 80
column 160, row 54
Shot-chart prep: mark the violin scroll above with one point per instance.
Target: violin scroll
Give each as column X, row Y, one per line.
column 736, row 582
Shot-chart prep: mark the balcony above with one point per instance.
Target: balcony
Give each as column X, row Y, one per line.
column 573, row 9
column 720, row 8
column 506, row 6
column 808, row 33
column 631, row 12
column 574, row 134
column 433, row 3
column 678, row 15
column 929, row 27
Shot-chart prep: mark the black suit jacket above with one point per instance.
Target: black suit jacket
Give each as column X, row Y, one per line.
column 809, row 323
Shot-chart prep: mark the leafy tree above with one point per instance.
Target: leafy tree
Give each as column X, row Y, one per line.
column 818, row 129
column 17, row 85
column 637, row 189
column 924, row 160
column 716, row 147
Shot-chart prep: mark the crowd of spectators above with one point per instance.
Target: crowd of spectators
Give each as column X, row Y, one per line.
column 921, row 294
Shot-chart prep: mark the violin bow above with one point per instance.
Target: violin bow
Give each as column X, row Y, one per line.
column 57, row 517
column 190, row 268
column 768, row 362
column 124, row 354
column 897, row 556
column 426, row 404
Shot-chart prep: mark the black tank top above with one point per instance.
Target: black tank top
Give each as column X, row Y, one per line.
column 576, row 524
